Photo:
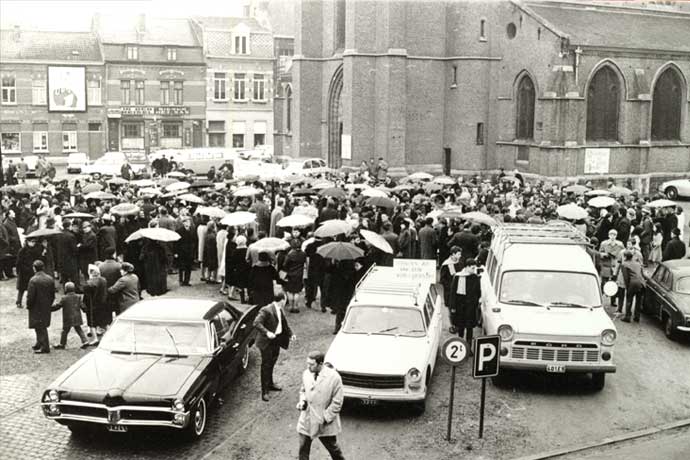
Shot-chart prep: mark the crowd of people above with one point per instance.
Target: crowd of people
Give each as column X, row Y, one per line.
column 80, row 237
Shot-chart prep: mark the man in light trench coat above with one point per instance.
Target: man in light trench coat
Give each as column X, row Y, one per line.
column 320, row 400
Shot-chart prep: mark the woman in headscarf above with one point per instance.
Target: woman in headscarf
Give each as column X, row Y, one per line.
column 293, row 266
column 210, row 254
column 236, row 267
column 95, row 296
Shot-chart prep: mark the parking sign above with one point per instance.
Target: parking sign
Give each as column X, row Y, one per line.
column 486, row 356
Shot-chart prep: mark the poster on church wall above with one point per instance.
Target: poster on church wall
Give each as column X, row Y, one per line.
column 66, row 89
column 346, row 147
column 597, row 160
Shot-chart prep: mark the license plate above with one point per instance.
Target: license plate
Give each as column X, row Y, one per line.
column 556, row 368
column 117, row 428
column 369, row 402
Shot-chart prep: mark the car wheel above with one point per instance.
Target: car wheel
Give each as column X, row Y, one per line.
column 598, row 380
column 671, row 193
column 197, row 421
column 669, row 329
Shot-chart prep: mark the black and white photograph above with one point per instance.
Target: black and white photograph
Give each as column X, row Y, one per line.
column 345, row 229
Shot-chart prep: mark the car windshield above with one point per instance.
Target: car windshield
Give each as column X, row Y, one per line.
column 384, row 320
column 542, row 288
column 683, row 285
column 156, row 337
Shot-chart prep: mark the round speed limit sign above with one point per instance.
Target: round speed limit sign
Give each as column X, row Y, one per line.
column 454, row 351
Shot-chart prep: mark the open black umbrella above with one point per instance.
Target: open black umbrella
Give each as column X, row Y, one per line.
column 334, row 192
column 340, row 250
column 304, row 192
column 203, row 183
column 43, row 233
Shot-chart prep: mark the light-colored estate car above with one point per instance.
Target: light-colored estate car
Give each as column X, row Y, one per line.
column 676, row 188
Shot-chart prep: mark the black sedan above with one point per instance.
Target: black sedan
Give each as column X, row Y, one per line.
column 161, row 364
column 667, row 296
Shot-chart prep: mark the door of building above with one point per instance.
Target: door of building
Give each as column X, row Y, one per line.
column 196, row 134
column 113, row 135
column 95, row 140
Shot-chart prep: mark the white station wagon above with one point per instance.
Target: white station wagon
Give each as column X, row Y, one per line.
column 386, row 349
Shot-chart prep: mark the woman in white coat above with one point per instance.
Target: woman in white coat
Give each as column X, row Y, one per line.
column 320, row 400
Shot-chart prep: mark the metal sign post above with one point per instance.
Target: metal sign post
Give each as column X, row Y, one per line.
column 486, row 364
column 454, row 353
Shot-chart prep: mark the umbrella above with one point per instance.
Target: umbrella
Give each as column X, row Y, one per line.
column 620, row 191
column 293, row 179
column 143, row 183
column 322, row 184
column 444, row 180
column 376, row 240
column 403, row 187
column 662, row 203
column 201, row 184
column 304, row 192
column 353, row 187
column 332, row 228
column 371, row 192
column 93, row 187
column 433, row 187
column 571, row 211
column 176, row 174
column 78, row 215
column 334, row 192
column 340, row 251
column 125, row 209
column 601, row 201
column 576, row 189
column 270, row 244
column 307, row 242
column 177, row 186
column 509, row 179
column 100, row 196
column 480, row 218
column 452, row 213
column 154, row 233
column 210, row 211
column 598, row 193
column 235, row 219
column 167, row 181
column 246, row 191
column 150, row 191
column 190, row 198
column 420, row 176
column 43, row 233
column 295, row 220
column 249, row 178
column 381, row 202
column 118, row 181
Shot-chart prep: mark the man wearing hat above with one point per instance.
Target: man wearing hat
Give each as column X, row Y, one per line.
column 107, row 237
column 126, row 288
column 39, row 301
column 88, row 248
column 646, row 234
column 675, row 249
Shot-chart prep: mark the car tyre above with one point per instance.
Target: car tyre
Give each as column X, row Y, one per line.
column 671, row 193
column 669, row 329
column 244, row 361
column 197, row 420
column 598, row 380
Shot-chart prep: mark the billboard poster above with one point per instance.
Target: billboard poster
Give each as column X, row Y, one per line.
column 66, row 89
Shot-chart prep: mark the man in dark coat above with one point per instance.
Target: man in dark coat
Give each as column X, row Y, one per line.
column 107, row 238
column 39, row 301
column 184, row 252
column 155, row 267
column 67, row 255
column 88, row 248
column 467, row 241
column 342, row 287
column 623, row 226
column 449, row 268
column 675, row 249
column 315, row 272
column 273, row 334
column 428, row 240
column 110, row 270
column 30, row 253
column 6, row 259
column 465, row 292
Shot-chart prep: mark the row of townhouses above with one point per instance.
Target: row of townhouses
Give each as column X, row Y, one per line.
column 144, row 85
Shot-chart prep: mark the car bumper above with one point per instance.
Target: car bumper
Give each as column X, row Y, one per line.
column 569, row 367
column 683, row 328
column 372, row 394
column 99, row 414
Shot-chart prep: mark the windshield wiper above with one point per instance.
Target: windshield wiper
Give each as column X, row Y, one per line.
column 415, row 330
column 386, row 330
column 173, row 341
column 522, row 302
column 568, row 304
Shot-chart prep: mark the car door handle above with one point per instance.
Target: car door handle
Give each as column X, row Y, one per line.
column 236, row 345
column 244, row 326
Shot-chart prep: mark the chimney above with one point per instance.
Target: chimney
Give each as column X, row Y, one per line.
column 95, row 22
column 17, row 34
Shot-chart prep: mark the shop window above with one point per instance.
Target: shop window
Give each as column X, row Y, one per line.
column 11, row 142
column 172, row 54
column 177, row 94
column 259, row 87
column 603, row 99
column 525, row 108
column 139, row 92
column 259, row 139
column 165, row 93
column 219, row 86
column 216, row 139
column 38, row 92
column 40, row 141
column 9, row 90
column 69, row 141
column 132, row 53
column 94, row 126
column 240, row 87
column 238, row 140
column 480, row 134
column 666, row 106
column 94, row 92
column 171, row 130
column 125, row 88
column 132, row 130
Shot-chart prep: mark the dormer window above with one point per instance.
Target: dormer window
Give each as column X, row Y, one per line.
column 240, row 44
column 172, row 54
column 132, row 53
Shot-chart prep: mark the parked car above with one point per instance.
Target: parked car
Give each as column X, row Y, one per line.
column 76, row 161
column 386, row 349
column 110, row 164
column 197, row 160
column 667, row 296
column 31, row 161
column 161, row 364
column 260, row 152
column 676, row 188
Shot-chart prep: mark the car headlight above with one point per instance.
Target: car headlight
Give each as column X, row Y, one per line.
column 414, row 378
column 506, row 332
column 53, row 396
column 178, row 405
column 608, row 337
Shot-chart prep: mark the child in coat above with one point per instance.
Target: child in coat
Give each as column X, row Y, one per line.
column 71, row 305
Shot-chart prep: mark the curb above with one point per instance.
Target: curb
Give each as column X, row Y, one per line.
column 607, row 441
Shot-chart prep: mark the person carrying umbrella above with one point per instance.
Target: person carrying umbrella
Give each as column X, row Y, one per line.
column 293, row 266
column 39, row 301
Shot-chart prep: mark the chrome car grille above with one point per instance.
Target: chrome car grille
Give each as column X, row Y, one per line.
column 373, row 381
column 561, row 352
column 103, row 414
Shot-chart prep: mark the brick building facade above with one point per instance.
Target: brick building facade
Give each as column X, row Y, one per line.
column 467, row 86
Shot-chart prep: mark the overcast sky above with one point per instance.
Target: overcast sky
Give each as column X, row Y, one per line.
column 75, row 15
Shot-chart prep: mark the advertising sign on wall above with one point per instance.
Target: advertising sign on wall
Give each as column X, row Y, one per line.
column 597, row 160
column 66, row 89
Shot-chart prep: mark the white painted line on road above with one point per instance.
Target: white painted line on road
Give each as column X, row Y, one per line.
column 607, row 441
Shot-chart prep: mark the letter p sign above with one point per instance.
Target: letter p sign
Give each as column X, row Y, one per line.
column 486, row 359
